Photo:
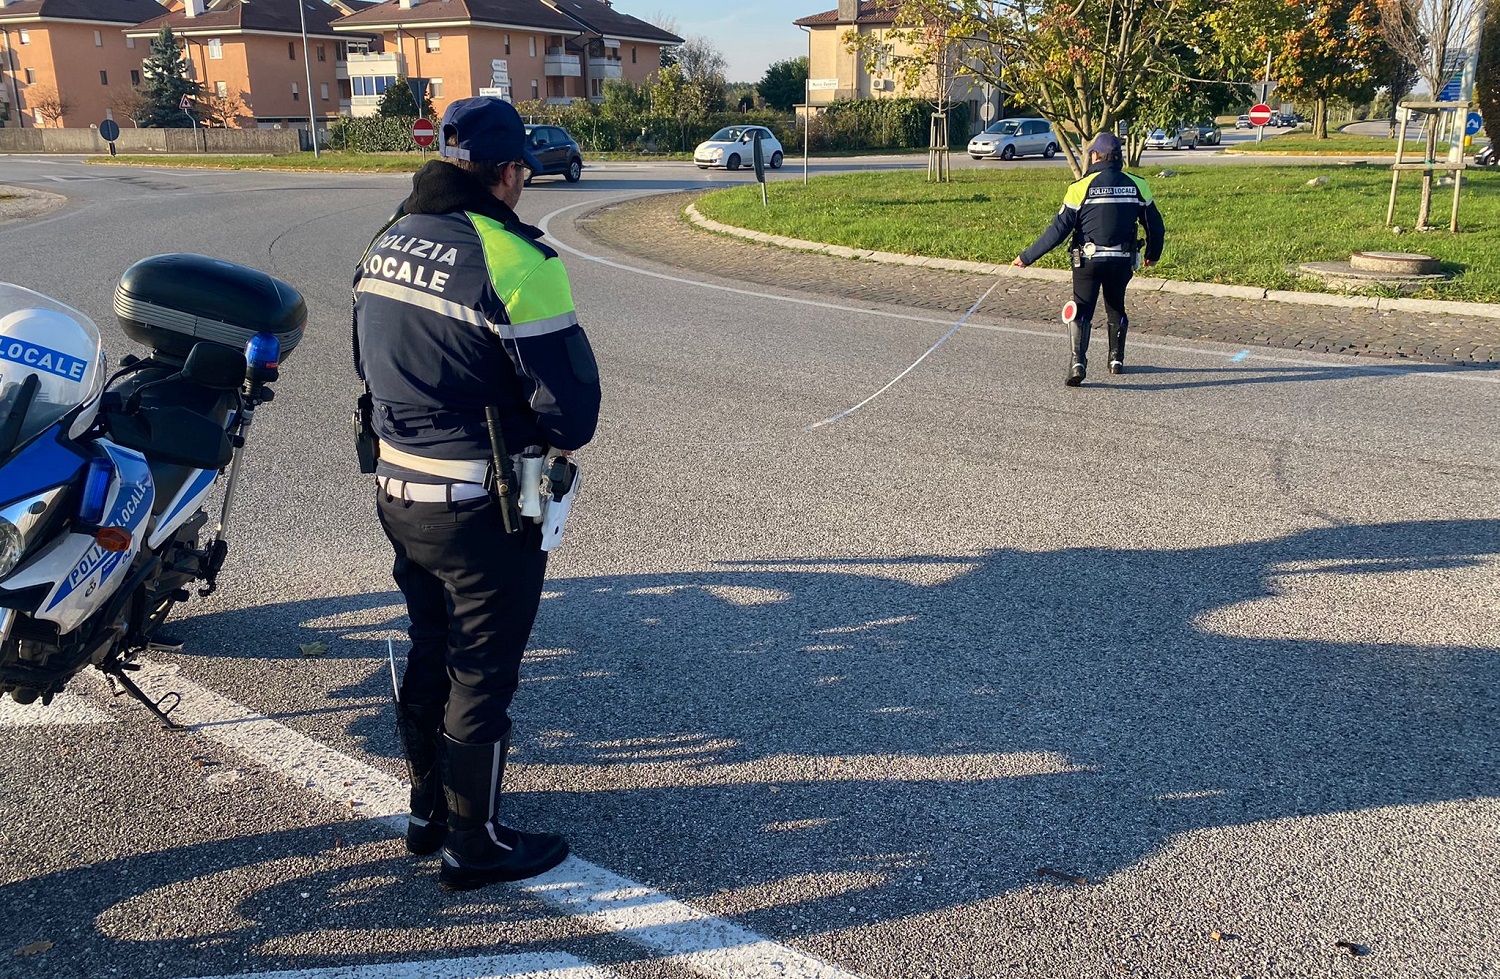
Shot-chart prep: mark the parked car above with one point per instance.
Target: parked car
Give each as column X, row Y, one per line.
column 1161, row 139
column 734, row 146
column 1243, row 122
column 1208, row 133
column 1007, row 139
column 556, row 151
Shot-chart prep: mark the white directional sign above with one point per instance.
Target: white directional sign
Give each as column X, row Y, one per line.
column 822, row 84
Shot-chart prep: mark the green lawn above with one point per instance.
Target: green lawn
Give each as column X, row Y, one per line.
column 1337, row 144
column 1232, row 224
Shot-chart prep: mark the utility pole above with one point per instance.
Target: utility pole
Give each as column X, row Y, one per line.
column 1466, row 81
column 312, row 122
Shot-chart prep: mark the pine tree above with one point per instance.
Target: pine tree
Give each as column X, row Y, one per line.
column 166, row 84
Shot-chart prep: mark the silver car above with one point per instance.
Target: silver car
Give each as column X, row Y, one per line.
column 1007, row 139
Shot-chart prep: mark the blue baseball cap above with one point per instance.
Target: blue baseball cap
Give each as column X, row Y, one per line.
column 1105, row 145
column 485, row 128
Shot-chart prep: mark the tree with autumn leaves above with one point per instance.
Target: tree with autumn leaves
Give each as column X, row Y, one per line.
column 1092, row 65
column 1330, row 49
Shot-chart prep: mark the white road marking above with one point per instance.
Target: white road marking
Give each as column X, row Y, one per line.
column 682, row 934
column 481, row 967
column 66, row 709
column 1435, row 371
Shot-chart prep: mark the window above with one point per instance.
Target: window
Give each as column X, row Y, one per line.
column 507, row 44
column 531, row 39
column 296, row 95
column 434, row 42
column 435, row 88
column 103, row 77
column 30, row 76
column 598, row 91
column 323, row 91
column 291, row 49
column 215, row 48
column 98, row 40
column 322, row 52
column 221, row 89
column 36, row 115
column 632, row 54
column 25, row 36
column 135, row 76
column 535, row 89
column 130, row 43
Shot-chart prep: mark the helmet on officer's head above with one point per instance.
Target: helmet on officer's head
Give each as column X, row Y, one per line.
column 60, row 352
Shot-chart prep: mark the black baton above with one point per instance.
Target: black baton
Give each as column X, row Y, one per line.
column 503, row 478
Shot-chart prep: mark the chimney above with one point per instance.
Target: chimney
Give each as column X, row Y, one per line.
column 193, row 7
column 848, row 11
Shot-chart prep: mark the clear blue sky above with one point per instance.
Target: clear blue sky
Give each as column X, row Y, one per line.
column 750, row 33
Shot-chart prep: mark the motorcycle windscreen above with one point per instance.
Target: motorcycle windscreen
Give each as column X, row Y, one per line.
column 51, row 362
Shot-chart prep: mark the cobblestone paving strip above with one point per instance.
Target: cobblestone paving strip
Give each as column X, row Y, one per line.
column 655, row 228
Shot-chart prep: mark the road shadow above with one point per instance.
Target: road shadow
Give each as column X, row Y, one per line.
column 847, row 741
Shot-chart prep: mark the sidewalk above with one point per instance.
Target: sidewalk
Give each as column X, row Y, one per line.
column 655, row 228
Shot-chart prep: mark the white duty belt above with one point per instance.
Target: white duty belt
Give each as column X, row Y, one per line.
column 457, row 470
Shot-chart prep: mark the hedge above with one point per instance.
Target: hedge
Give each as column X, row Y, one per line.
column 845, row 125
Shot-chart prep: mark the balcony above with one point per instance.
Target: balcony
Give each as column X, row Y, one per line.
column 385, row 63
column 606, row 69
column 559, row 64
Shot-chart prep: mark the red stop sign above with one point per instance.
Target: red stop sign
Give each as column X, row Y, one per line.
column 1260, row 114
column 424, row 134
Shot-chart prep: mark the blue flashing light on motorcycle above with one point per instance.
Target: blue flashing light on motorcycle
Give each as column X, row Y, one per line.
column 104, row 483
column 97, row 481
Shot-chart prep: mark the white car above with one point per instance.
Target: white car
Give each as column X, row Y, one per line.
column 734, row 146
column 1161, row 139
column 1010, row 138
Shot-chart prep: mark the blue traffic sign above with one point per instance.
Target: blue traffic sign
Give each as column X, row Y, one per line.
column 1473, row 124
column 1450, row 91
column 110, row 130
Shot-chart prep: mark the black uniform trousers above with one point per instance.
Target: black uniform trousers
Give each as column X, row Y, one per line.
column 1110, row 276
column 472, row 593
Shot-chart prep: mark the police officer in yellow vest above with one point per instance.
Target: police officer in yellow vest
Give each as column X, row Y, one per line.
column 1100, row 214
column 463, row 316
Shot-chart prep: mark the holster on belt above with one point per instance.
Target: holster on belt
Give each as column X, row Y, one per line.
column 501, row 479
column 366, row 444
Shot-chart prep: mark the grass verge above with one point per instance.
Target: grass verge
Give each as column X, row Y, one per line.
column 1338, row 144
column 1233, row 224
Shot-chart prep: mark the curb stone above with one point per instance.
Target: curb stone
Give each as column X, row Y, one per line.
column 1141, row 283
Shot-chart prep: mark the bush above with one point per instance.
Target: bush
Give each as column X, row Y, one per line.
column 884, row 124
column 372, row 134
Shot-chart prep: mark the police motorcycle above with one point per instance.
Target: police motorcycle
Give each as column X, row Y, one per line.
column 105, row 480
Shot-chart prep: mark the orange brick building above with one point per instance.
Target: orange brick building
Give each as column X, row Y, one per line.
column 553, row 50
column 72, row 49
column 251, row 53
column 65, row 63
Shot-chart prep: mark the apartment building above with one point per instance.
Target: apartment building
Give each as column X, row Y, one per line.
column 250, row 52
column 829, row 58
column 553, row 50
column 63, row 62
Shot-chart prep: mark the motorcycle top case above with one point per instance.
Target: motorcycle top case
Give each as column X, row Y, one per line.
column 171, row 302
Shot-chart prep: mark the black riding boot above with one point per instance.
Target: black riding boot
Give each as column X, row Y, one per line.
column 421, row 730
column 1079, row 335
column 480, row 850
column 1117, row 347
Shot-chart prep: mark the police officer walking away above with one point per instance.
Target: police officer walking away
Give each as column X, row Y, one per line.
column 1100, row 214
column 463, row 315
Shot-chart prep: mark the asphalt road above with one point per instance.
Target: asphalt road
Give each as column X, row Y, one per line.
column 1215, row 641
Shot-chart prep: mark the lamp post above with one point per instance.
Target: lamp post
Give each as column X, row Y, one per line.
column 312, row 122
